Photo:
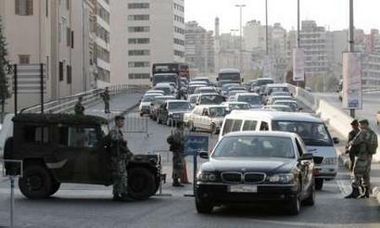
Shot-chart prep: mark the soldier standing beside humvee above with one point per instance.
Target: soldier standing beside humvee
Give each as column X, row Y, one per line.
column 176, row 142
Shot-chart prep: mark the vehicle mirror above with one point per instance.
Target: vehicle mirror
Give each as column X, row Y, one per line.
column 336, row 140
column 204, row 155
column 306, row 156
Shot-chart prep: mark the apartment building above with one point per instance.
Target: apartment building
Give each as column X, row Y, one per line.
column 199, row 48
column 56, row 33
column 152, row 31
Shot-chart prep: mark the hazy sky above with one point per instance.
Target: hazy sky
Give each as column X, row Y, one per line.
column 332, row 14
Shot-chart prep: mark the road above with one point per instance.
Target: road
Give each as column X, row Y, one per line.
column 371, row 103
column 91, row 205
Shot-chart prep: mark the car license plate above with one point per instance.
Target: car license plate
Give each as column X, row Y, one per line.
column 242, row 188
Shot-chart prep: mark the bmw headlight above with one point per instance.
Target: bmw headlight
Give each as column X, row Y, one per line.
column 206, row 177
column 282, row 178
column 329, row 161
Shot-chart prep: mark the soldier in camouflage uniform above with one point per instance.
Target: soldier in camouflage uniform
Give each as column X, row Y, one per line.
column 362, row 164
column 79, row 108
column 176, row 142
column 106, row 98
column 120, row 155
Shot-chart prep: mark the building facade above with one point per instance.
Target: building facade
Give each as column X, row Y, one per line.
column 152, row 32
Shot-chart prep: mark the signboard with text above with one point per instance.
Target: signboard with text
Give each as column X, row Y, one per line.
column 195, row 144
column 352, row 81
column 298, row 65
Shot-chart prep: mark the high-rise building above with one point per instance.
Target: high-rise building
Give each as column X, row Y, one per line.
column 152, row 31
column 199, row 48
column 55, row 33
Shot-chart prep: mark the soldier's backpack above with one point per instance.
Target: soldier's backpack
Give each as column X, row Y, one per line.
column 372, row 142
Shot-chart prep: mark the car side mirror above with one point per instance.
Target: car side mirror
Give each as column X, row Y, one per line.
column 336, row 140
column 306, row 156
column 203, row 155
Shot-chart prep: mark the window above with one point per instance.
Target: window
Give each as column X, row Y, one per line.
column 249, row 125
column 68, row 4
column 78, row 137
column 138, row 6
column 138, row 41
column 179, row 53
column 138, row 52
column 139, row 29
column 36, row 134
column 139, row 76
column 138, row 64
column 24, row 59
column 68, row 37
column 60, row 71
column 69, row 75
column 179, row 42
column 103, row 13
column 47, row 8
column 103, row 54
column 231, row 125
column 140, row 17
column 24, row 7
column 72, row 39
column 179, row 30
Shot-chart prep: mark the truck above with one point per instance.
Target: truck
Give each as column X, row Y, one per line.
column 229, row 75
column 170, row 72
column 67, row 148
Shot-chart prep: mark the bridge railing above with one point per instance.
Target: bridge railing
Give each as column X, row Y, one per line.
column 66, row 104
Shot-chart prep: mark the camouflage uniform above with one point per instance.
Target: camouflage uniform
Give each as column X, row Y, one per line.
column 353, row 149
column 119, row 160
column 176, row 141
column 79, row 109
column 362, row 165
column 106, row 98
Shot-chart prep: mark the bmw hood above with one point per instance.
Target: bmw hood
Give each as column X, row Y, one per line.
column 267, row 165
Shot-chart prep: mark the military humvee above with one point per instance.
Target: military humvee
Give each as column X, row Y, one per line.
column 67, row 148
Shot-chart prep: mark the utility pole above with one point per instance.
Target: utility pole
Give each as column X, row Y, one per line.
column 241, row 38
column 266, row 27
column 298, row 31
column 351, row 46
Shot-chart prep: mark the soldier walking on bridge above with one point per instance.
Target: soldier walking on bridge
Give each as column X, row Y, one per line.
column 79, row 108
column 106, row 98
column 363, row 158
column 120, row 156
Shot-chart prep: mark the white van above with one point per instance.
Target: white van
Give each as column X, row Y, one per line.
column 311, row 129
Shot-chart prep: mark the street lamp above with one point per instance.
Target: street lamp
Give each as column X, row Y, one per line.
column 241, row 38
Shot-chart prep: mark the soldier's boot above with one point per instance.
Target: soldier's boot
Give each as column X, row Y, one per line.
column 354, row 193
column 176, row 183
column 365, row 193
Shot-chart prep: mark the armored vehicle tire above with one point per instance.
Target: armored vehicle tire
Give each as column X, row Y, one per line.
column 141, row 183
column 54, row 187
column 36, row 182
column 318, row 184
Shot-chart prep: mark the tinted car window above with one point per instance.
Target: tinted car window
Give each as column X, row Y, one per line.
column 178, row 105
column 251, row 99
column 231, row 125
column 249, row 125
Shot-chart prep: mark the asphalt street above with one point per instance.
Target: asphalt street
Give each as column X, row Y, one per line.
column 91, row 206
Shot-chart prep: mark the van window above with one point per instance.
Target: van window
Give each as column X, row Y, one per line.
column 264, row 126
column 231, row 125
column 249, row 125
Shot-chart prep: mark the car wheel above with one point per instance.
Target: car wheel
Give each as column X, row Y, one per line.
column 141, row 114
column 36, row 182
column 310, row 201
column 55, row 187
column 318, row 184
column 141, row 183
column 294, row 206
column 191, row 126
column 203, row 207
column 158, row 120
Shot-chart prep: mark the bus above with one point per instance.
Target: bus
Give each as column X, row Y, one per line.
column 169, row 72
column 229, row 75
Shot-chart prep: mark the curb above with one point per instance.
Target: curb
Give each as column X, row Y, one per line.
column 346, row 162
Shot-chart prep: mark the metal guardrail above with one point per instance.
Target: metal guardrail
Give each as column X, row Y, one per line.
column 66, row 104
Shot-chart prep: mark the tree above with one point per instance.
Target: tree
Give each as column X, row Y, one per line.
column 4, row 69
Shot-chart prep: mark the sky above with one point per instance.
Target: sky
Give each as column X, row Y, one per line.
column 332, row 14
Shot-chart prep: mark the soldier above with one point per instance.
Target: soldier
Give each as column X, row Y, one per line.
column 352, row 150
column 106, row 98
column 176, row 141
column 362, row 164
column 79, row 108
column 120, row 155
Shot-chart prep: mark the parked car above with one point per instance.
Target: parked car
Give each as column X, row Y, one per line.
column 201, row 79
column 144, row 107
column 253, row 99
column 192, row 87
column 224, row 87
column 210, row 98
column 192, row 99
column 269, row 88
column 256, row 167
column 172, row 111
column 277, row 107
column 166, row 87
column 236, row 105
column 155, row 104
column 273, row 99
column 291, row 103
column 258, row 83
column 205, row 117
